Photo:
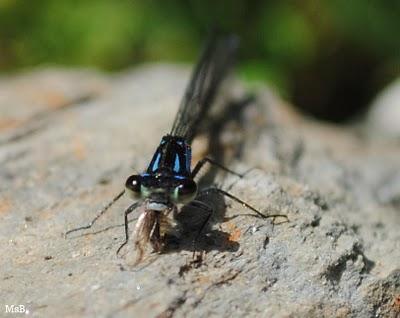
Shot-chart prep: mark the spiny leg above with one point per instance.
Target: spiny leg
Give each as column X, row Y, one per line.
column 209, row 210
column 101, row 212
column 108, row 228
column 203, row 161
column 126, row 213
column 246, row 205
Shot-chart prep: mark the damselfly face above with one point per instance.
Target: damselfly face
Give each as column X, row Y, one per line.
column 161, row 188
column 168, row 178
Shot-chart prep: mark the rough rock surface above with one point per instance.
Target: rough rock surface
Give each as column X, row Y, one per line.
column 70, row 138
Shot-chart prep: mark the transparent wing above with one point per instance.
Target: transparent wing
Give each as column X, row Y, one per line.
column 216, row 59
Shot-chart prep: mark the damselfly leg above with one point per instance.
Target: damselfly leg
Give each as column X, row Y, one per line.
column 209, row 210
column 126, row 224
column 99, row 214
column 203, row 161
column 243, row 203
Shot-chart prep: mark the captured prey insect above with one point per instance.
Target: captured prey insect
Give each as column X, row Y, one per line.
column 169, row 179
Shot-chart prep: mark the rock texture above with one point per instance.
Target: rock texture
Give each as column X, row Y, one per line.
column 70, row 138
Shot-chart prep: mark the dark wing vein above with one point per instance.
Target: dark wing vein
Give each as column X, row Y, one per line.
column 216, row 59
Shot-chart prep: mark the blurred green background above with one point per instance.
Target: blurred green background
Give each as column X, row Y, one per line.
column 328, row 57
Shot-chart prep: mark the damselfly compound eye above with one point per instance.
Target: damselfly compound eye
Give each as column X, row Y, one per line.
column 133, row 184
column 185, row 192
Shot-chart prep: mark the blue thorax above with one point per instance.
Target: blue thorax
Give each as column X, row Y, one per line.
column 172, row 157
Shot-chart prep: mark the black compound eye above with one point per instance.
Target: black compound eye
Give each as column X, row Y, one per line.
column 185, row 192
column 133, row 184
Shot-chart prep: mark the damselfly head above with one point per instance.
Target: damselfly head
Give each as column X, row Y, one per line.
column 162, row 189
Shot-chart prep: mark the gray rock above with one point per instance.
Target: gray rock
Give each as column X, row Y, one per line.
column 70, row 138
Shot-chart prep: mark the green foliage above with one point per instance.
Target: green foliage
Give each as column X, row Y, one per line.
column 286, row 35
column 372, row 24
column 278, row 37
column 97, row 33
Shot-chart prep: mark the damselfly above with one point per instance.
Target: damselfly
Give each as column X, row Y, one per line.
column 169, row 179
